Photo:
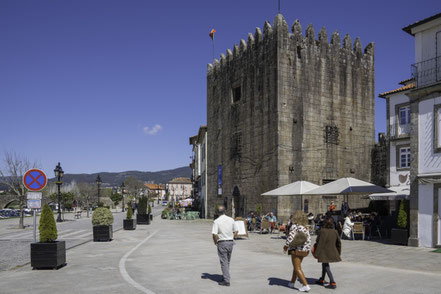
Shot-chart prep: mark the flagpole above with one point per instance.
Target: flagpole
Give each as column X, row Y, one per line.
column 279, row 7
column 212, row 42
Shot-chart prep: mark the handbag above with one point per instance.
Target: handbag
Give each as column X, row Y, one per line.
column 313, row 250
column 298, row 240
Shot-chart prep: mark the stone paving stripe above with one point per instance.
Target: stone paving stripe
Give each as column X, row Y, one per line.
column 84, row 235
column 72, row 233
column 123, row 271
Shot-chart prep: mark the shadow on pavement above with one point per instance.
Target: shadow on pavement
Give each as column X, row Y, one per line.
column 214, row 278
column 278, row 282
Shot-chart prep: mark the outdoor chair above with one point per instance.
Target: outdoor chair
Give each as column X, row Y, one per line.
column 357, row 230
column 374, row 229
column 264, row 226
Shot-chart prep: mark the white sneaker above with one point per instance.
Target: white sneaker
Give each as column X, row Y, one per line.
column 291, row 285
column 304, row 288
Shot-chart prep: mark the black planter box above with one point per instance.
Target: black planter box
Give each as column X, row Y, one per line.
column 102, row 233
column 129, row 224
column 48, row 255
column 399, row 236
column 151, row 217
column 143, row 219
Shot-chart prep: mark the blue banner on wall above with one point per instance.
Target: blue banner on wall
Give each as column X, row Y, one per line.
column 219, row 180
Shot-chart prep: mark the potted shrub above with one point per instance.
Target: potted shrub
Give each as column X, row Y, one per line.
column 102, row 220
column 129, row 223
column 400, row 235
column 142, row 218
column 48, row 253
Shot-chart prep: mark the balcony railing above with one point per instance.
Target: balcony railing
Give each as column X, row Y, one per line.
column 398, row 130
column 427, row 72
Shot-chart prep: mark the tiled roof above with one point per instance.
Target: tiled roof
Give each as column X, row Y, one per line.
column 155, row 186
column 403, row 88
column 180, row 181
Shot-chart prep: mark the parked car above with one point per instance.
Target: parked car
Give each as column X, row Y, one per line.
column 164, row 203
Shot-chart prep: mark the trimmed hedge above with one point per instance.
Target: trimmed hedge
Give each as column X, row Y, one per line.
column 142, row 205
column 129, row 212
column 47, row 226
column 102, row 216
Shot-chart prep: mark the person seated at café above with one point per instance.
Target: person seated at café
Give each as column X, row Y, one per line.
column 272, row 220
column 332, row 207
column 251, row 220
column 347, row 226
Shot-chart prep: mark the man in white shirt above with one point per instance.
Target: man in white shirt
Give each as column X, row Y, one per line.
column 224, row 230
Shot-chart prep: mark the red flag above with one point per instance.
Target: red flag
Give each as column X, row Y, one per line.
column 212, row 33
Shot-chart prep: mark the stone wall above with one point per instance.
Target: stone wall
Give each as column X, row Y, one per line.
column 306, row 112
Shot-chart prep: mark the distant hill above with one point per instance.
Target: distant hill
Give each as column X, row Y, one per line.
column 115, row 179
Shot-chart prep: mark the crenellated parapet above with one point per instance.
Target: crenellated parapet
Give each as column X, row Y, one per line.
column 279, row 34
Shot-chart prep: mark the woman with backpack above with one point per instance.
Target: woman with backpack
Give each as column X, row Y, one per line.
column 327, row 250
column 298, row 245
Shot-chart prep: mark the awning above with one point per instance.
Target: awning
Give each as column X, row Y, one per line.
column 296, row 188
column 399, row 192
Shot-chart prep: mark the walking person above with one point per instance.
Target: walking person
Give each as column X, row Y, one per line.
column 328, row 249
column 224, row 230
column 298, row 245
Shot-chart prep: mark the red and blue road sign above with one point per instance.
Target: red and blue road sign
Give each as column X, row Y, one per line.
column 34, row 180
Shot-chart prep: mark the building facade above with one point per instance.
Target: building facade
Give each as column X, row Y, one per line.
column 425, row 134
column 179, row 188
column 282, row 107
column 199, row 168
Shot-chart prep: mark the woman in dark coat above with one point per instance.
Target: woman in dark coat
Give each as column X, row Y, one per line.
column 328, row 250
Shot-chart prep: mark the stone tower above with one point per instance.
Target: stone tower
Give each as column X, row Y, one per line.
column 283, row 107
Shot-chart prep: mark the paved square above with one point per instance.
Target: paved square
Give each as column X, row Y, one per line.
column 179, row 257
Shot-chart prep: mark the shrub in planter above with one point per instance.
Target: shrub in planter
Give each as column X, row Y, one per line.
column 102, row 220
column 149, row 212
column 400, row 235
column 129, row 223
column 164, row 213
column 48, row 253
column 142, row 218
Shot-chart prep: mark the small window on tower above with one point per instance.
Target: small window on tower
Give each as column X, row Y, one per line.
column 236, row 93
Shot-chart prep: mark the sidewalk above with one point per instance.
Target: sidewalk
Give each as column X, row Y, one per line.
column 179, row 257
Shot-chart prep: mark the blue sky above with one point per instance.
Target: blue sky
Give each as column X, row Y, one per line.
column 110, row 85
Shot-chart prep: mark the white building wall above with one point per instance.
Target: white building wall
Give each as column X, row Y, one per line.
column 398, row 98
column 400, row 177
column 428, row 161
column 425, row 46
column 425, row 214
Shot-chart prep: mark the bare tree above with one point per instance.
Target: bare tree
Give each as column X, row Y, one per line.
column 87, row 194
column 11, row 172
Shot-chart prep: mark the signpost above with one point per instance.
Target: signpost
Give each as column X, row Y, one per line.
column 34, row 180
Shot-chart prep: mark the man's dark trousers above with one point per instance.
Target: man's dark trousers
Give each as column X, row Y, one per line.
column 224, row 250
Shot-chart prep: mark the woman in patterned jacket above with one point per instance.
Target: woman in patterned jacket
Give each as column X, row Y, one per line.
column 299, row 221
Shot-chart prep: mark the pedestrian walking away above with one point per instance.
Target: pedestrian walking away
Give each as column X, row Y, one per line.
column 327, row 250
column 298, row 245
column 224, row 231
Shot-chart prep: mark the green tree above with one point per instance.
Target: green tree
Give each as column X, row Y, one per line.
column 67, row 199
column 47, row 226
column 116, row 198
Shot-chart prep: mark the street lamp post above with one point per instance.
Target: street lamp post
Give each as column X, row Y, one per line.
column 98, row 183
column 122, row 194
column 59, row 173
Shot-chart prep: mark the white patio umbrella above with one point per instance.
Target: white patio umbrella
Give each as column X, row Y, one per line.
column 348, row 186
column 295, row 188
column 399, row 192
